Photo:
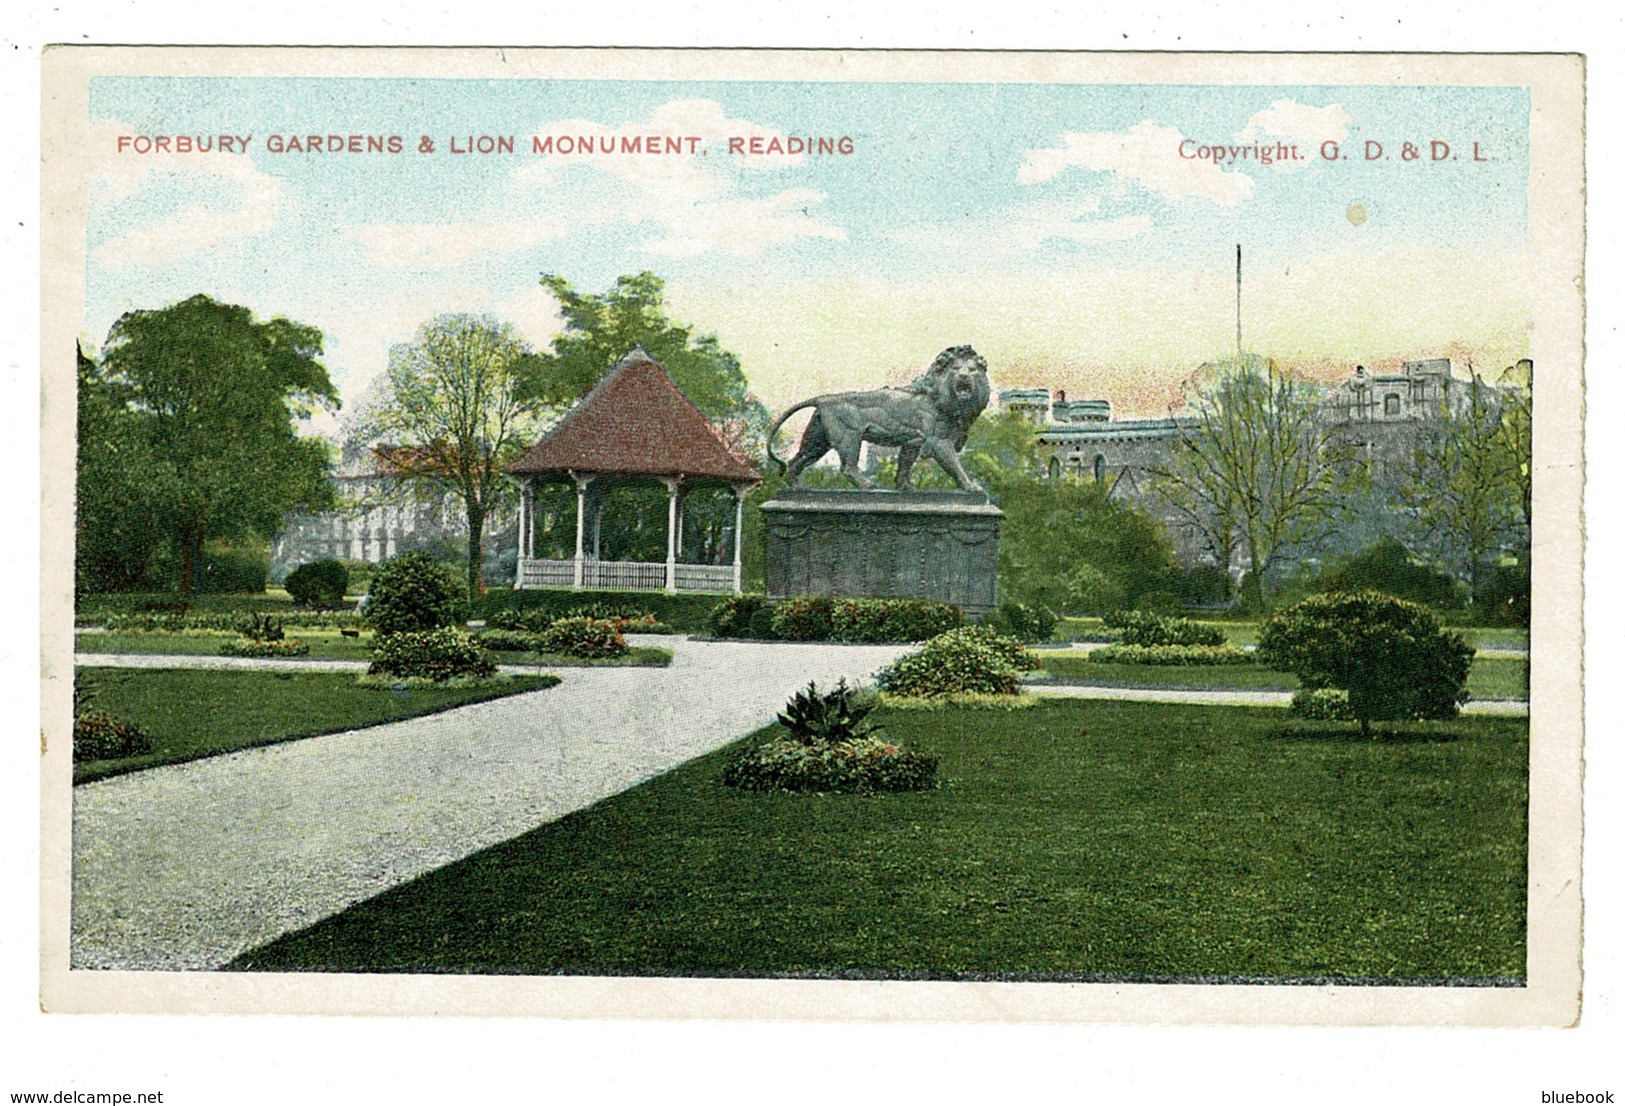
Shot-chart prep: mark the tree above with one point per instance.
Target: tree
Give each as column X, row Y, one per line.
column 116, row 524
column 1388, row 654
column 1516, row 433
column 1461, row 485
column 1257, row 468
column 461, row 407
column 216, row 395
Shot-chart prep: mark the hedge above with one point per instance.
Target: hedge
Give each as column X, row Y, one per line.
column 686, row 613
column 1171, row 655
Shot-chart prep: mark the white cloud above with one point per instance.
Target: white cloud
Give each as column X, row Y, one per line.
column 1146, row 154
column 694, row 197
column 1297, row 124
column 447, row 245
column 1021, row 230
column 254, row 197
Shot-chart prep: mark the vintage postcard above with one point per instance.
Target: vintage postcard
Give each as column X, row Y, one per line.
column 849, row 535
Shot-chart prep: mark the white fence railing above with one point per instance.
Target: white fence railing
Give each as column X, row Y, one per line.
column 624, row 575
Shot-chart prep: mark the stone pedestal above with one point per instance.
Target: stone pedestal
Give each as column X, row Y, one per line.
column 847, row 542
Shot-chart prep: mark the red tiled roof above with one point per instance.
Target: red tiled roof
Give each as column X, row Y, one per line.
column 636, row 421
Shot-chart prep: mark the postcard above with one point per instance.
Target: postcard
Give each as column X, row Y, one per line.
column 821, row 534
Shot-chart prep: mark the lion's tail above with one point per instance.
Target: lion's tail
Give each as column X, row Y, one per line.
column 773, row 433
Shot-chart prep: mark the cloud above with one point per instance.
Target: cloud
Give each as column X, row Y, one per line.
column 448, row 245
column 1146, row 154
column 695, row 197
column 232, row 199
column 1291, row 121
column 1021, row 230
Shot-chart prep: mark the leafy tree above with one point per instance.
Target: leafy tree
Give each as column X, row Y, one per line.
column 1389, row 655
column 1256, row 467
column 1461, row 485
column 1386, row 566
column 117, row 525
column 461, row 407
column 217, row 395
column 1516, row 433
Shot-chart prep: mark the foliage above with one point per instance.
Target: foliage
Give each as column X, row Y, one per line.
column 254, row 647
column 97, row 735
column 234, row 571
column 804, row 618
column 461, row 407
column 814, row 716
column 882, row 620
column 1091, row 589
column 211, row 394
column 1149, row 628
column 1170, row 655
column 584, row 637
column 1389, row 655
column 968, row 700
column 680, row 613
column 438, row 654
column 970, row 659
column 860, row 765
column 1387, row 566
column 1257, row 467
column 1022, row 622
column 1517, row 391
column 1322, row 704
column 413, row 592
column 260, row 627
column 1462, row 485
column 732, row 617
column 118, row 529
column 511, row 641
column 1506, row 597
column 178, row 622
column 319, row 584
column 761, row 624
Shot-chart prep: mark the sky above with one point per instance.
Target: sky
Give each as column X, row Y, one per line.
column 1081, row 237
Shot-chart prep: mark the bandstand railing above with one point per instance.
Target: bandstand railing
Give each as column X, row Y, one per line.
column 535, row 572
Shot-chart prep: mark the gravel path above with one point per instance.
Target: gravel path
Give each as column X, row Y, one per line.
column 187, row 866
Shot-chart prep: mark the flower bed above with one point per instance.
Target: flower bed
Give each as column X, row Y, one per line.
column 1176, row 655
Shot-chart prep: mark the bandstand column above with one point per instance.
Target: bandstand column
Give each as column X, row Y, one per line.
column 739, row 533
column 581, row 527
column 672, row 484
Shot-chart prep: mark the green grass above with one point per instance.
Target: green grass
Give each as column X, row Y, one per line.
column 1075, row 840
column 1489, row 678
column 637, row 656
column 192, row 713
column 324, row 644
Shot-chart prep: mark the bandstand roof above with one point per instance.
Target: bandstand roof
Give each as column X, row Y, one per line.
column 636, row 421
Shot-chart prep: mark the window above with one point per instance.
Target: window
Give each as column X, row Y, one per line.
column 1100, row 468
column 1419, row 391
column 1054, row 467
column 1390, row 405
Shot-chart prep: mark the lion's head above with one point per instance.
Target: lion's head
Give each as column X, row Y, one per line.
column 957, row 384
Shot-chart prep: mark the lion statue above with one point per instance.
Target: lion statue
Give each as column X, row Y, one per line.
column 928, row 418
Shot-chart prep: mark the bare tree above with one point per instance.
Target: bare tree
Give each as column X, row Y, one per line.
column 458, row 414
column 1257, row 467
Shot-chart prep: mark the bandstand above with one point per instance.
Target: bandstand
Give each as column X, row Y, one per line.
column 635, row 425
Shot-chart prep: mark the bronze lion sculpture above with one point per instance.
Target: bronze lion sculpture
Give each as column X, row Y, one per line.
column 928, row 418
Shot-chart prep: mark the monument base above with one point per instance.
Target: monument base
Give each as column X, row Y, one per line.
column 918, row 544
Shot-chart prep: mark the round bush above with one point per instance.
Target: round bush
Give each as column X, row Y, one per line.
column 97, row 735
column 1390, row 655
column 440, row 654
column 970, row 659
column 732, row 616
column 590, row 638
column 318, row 584
column 1150, row 628
column 865, row 764
column 413, row 592
column 1022, row 622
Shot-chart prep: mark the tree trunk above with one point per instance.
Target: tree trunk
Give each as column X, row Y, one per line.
column 476, row 551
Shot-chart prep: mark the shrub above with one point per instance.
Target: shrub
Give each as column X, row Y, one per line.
column 438, row 654
column 1386, row 566
column 252, row 647
column 684, row 612
column 1150, row 628
column 732, row 616
column 884, row 620
column 319, row 584
column 413, row 592
column 510, row 641
column 590, row 638
column 1321, row 704
column 520, row 621
column 97, row 735
column 1171, row 655
column 234, row 571
column 969, row 659
column 1092, row 590
column 823, row 716
column 260, row 627
column 1389, row 655
column 761, row 623
column 1022, row 622
column 865, row 764
column 804, row 618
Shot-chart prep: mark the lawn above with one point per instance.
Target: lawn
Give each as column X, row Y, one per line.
column 324, row 644
column 636, row 656
column 1076, row 840
column 1245, row 632
column 192, row 713
column 1489, row 678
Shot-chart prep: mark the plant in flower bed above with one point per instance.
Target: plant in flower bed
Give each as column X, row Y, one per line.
column 511, row 641
column 830, row 746
column 1150, row 628
column 1022, row 622
column 882, row 620
column 804, row 618
column 971, row 659
column 248, row 647
column 590, row 638
column 442, row 654
column 318, row 584
column 97, row 735
column 1177, row 655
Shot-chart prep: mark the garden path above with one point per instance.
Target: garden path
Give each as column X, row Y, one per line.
column 185, row 867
